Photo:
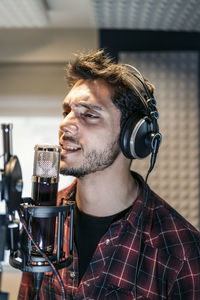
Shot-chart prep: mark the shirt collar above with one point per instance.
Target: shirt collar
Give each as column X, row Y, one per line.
column 133, row 217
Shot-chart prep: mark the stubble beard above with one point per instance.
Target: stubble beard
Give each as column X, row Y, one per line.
column 94, row 161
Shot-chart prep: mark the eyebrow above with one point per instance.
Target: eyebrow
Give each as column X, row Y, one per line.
column 88, row 106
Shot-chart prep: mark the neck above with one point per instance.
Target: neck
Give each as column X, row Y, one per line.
column 106, row 192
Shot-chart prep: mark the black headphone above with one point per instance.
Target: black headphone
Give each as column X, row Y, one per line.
column 140, row 136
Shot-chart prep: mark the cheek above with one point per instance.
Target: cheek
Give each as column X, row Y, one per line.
column 99, row 134
column 116, row 126
column 100, row 138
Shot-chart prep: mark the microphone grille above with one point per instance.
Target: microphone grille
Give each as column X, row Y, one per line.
column 46, row 161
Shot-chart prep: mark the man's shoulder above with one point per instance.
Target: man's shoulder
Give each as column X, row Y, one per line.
column 170, row 232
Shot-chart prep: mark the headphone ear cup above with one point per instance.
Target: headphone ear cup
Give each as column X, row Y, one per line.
column 134, row 137
column 126, row 133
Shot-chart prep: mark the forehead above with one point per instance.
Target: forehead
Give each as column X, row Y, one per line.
column 93, row 92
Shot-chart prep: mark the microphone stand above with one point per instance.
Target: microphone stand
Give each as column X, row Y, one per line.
column 10, row 193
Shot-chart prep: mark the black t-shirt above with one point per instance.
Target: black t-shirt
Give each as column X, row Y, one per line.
column 88, row 231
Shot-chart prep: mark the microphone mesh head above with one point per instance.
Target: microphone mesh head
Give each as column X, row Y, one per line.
column 46, row 161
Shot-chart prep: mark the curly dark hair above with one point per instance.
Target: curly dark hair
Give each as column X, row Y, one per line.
column 128, row 88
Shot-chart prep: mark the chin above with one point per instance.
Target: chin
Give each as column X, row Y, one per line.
column 66, row 168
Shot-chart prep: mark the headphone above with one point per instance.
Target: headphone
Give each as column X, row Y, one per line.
column 140, row 136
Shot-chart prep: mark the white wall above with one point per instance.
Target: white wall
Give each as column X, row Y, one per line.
column 27, row 132
column 31, row 96
column 45, row 45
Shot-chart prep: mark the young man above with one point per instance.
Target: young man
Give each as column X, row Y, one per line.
column 128, row 242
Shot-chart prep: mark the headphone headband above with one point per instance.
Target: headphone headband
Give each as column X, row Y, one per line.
column 136, row 74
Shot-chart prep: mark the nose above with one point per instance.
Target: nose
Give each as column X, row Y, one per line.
column 69, row 125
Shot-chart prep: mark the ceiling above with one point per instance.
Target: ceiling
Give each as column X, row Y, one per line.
column 177, row 15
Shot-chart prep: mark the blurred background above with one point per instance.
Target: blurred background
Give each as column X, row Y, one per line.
column 159, row 37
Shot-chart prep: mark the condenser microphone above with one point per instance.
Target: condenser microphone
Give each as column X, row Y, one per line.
column 44, row 193
column 43, row 222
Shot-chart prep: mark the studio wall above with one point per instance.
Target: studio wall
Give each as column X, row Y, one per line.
column 176, row 174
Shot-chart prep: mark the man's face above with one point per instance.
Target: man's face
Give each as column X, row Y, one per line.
column 90, row 128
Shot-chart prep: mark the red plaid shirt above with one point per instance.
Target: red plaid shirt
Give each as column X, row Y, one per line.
column 169, row 261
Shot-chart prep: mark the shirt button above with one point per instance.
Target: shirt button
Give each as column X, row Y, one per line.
column 87, row 283
column 107, row 241
column 72, row 274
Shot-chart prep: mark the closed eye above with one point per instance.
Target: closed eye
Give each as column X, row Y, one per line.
column 90, row 116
